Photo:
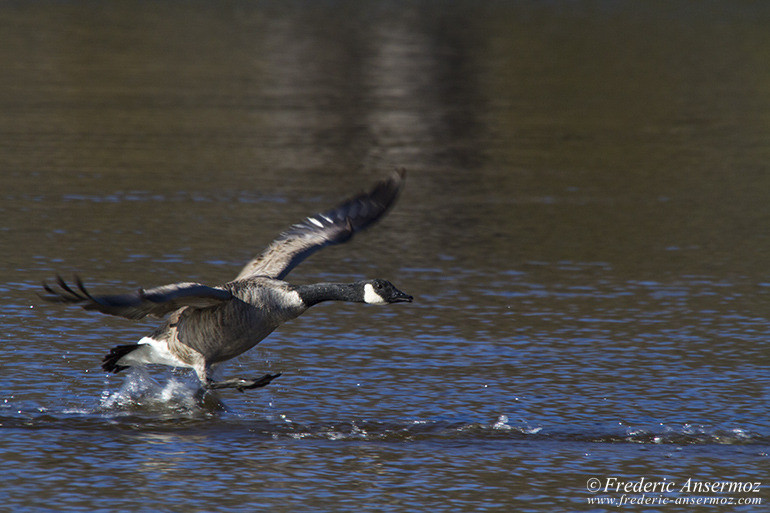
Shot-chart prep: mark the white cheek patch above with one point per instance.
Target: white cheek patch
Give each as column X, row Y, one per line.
column 371, row 297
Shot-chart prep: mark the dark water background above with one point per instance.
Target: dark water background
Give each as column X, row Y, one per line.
column 585, row 228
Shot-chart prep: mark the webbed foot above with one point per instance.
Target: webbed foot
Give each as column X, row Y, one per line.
column 242, row 384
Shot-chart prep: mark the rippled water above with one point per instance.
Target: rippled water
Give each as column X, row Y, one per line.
column 583, row 229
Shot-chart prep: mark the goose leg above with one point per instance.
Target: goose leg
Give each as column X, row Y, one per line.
column 242, row 384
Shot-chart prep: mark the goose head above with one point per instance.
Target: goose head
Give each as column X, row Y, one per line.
column 381, row 292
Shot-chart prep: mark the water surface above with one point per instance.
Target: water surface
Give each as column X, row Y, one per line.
column 583, row 229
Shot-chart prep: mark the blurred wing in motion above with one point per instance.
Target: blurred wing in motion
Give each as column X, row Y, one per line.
column 155, row 302
column 335, row 226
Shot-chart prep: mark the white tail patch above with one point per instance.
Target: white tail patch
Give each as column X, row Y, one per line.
column 371, row 297
column 151, row 351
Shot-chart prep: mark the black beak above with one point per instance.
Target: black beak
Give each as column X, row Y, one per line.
column 400, row 297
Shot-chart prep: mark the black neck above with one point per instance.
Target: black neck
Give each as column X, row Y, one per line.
column 318, row 292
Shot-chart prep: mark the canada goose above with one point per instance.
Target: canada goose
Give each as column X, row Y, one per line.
column 209, row 325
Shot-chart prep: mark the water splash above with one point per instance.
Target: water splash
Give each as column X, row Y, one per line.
column 139, row 390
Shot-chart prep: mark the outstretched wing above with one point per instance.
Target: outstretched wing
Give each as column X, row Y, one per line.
column 156, row 302
column 331, row 227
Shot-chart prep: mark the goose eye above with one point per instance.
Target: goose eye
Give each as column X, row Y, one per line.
column 377, row 285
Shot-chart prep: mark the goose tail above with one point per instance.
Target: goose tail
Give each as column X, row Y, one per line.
column 110, row 361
